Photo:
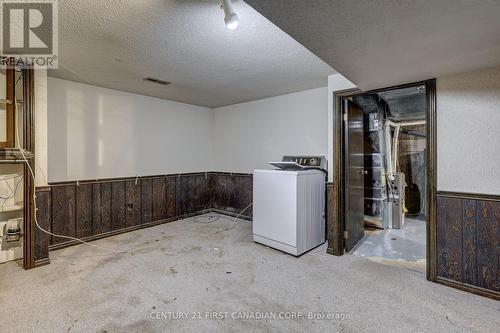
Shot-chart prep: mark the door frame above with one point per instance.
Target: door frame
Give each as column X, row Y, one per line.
column 336, row 242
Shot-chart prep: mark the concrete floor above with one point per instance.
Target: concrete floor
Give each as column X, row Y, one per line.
column 403, row 247
column 189, row 266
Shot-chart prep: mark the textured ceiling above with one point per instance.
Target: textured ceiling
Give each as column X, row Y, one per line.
column 115, row 44
column 387, row 42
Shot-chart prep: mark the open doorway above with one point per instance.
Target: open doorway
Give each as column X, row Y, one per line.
column 385, row 190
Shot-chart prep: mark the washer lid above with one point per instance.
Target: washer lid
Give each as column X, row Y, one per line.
column 291, row 166
column 295, row 173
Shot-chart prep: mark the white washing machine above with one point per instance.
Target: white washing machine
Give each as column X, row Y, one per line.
column 289, row 206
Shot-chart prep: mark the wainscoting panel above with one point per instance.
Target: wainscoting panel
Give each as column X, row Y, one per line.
column 83, row 211
column 232, row 190
column 171, row 197
column 118, row 216
column 43, row 215
column 159, row 201
column 468, row 235
column 201, row 193
column 102, row 208
column 211, row 188
column 95, row 209
column 247, row 195
column 232, row 193
column 220, row 199
column 133, row 203
column 147, row 200
column 469, row 243
column 488, row 237
column 190, row 195
column 181, row 195
column 449, row 238
column 63, row 212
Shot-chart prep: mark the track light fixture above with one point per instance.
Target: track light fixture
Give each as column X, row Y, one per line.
column 230, row 17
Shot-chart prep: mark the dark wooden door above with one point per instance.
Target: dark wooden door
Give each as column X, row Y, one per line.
column 354, row 175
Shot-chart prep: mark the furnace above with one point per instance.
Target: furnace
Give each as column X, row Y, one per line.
column 385, row 185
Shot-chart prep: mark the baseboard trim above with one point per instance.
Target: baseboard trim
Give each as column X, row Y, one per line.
column 472, row 196
column 42, row 262
column 231, row 214
column 469, row 288
column 138, row 227
column 333, row 251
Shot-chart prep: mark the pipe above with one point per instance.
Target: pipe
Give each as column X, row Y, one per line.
column 413, row 133
column 392, row 150
column 405, row 123
column 395, row 143
column 12, row 161
column 388, row 147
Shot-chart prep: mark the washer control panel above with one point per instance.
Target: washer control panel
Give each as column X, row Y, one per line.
column 307, row 161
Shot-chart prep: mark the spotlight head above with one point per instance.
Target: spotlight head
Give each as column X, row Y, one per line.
column 231, row 21
column 230, row 17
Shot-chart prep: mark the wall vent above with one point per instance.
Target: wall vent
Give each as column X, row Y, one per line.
column 157, row 81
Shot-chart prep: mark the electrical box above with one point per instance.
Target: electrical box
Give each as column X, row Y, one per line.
column 11, row 212
column 11, row 240
column 397, row 190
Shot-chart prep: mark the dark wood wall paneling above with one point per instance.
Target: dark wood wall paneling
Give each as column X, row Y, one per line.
column 159, row 198
column 190, row 195
column 95, row 209
column 118, row 213
column 43, row 216
column 134, row 203
column 332, row 223
column 247, row 195
column 147, row 200
column 171, row 197
column 220, row 191
column 83, row 211
column 63, row 212
column 468, row 240
column 181, row 188
column 101, row 208
column 233, row 193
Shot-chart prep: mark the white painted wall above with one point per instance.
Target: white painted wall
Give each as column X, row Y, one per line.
column 468, row 117
column 103, row 133
column 249, row 135
column 468, row 135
